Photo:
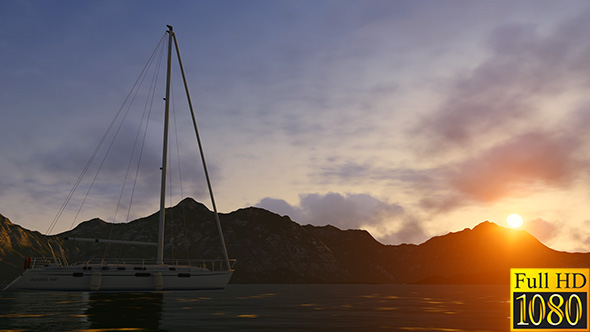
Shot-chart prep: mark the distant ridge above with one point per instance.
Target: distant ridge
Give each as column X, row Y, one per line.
column 274, row 249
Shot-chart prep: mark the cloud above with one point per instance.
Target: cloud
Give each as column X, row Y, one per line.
column 404, row 229
column 344, row 171
column 525, row 67
column 283, row 208
column 522, row 165
column 442, row 201
column 516, row 167
column 577, row 237
column 388, row 222
column 519, row 166
column 344, row 211
column 494, row 126
column 350, row 211
column 543, row 230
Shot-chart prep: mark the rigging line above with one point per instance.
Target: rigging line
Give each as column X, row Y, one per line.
column 134, row 149
column 105, row 156
column 152, row 93
column 177, row 152
column 140, row 81
column 169, row 175
column 171, row 222
column 133, row 152
column 183, row 216
column 95, row 152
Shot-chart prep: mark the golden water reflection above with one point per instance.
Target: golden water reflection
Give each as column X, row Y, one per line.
column 265, row 307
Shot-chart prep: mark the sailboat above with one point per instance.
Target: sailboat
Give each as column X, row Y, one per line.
column 54, row 273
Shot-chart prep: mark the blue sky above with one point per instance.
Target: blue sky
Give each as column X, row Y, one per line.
column 406, row 118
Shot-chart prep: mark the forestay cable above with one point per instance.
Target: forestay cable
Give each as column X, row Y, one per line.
column 100, row 144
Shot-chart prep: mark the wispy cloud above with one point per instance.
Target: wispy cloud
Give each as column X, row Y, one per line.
column 517, row 167
column 526, row 68
column 542, row 229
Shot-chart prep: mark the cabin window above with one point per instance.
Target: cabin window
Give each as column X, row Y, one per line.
column 184, row 275
column 143, row 274
column 121, row 268
column 172, row 268
column 77, row 274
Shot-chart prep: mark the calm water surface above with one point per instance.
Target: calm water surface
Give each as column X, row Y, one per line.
column 264, row 307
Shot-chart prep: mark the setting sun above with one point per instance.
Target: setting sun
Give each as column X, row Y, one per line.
column 514, row 220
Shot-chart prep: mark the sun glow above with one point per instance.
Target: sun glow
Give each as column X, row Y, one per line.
column 514, row 220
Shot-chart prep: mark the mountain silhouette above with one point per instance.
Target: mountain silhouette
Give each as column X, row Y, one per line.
column 270, row 248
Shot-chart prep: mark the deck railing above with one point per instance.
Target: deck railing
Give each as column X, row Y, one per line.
column 210, row 264
column 37, row 262
column 57, row 261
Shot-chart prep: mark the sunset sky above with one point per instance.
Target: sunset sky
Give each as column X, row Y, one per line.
column 409, row 119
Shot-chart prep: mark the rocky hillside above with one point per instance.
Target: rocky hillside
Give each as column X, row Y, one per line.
column 273, row 249
column 268, row 248
column 17, row 243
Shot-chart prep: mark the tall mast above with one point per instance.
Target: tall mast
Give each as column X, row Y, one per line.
column 160, row 257
column 190, row 104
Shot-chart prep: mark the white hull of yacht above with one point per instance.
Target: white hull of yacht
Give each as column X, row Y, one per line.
column 120, row 278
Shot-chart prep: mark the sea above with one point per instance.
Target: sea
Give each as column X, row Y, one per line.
column 265, row 308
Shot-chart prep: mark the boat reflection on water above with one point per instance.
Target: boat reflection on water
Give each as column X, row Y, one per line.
column 81, row 311
column 461, row 308
column 43, row 311
column 124, row 310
